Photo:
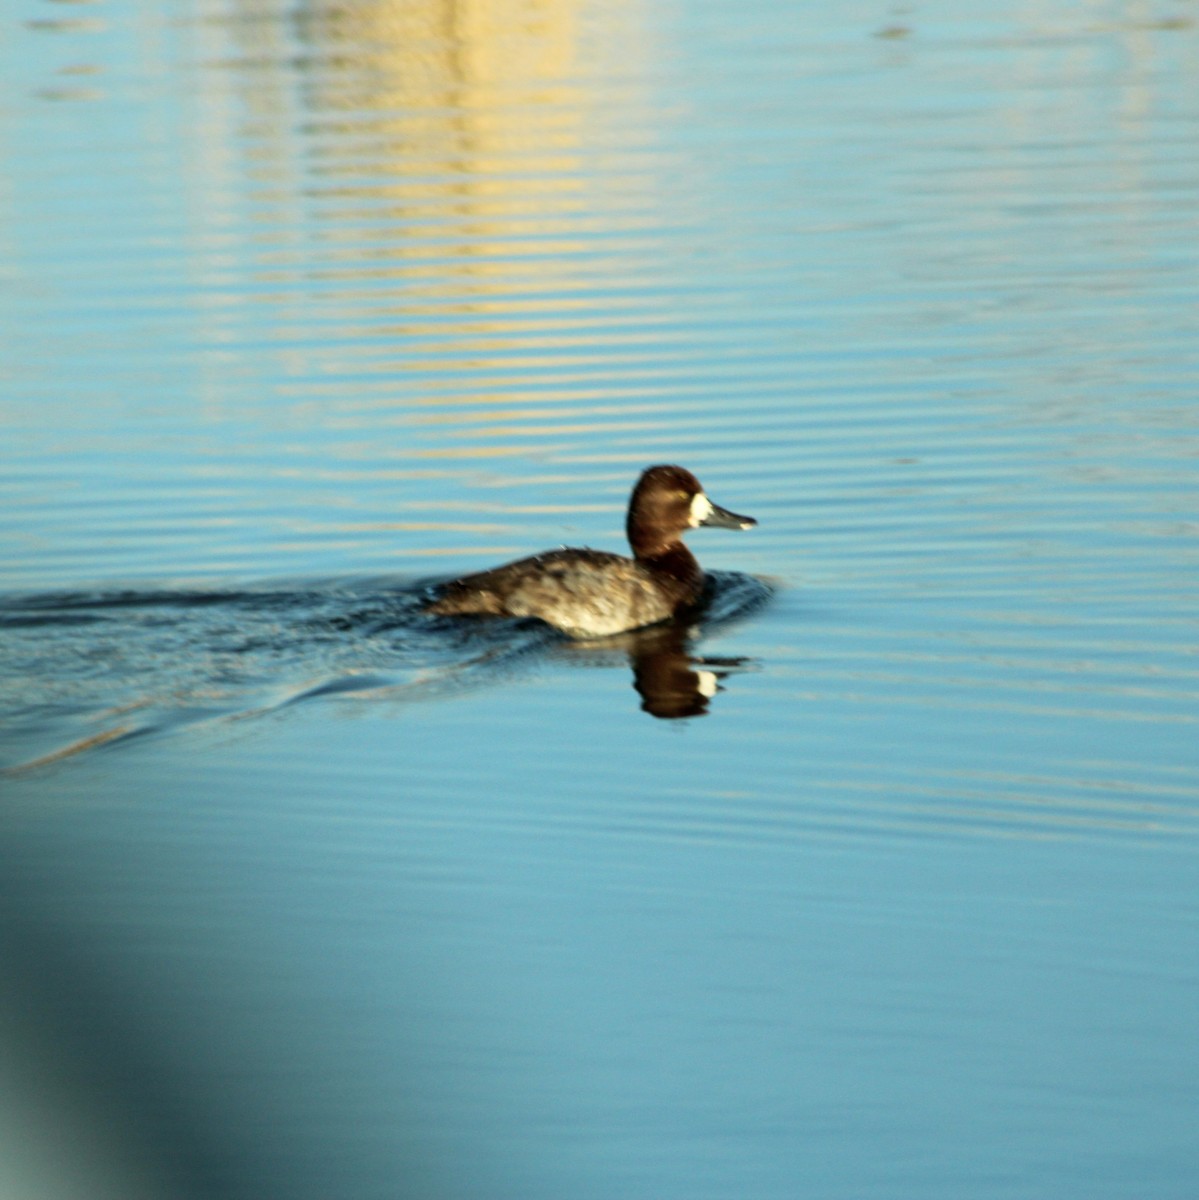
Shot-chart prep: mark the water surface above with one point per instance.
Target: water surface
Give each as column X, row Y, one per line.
column 305, row 307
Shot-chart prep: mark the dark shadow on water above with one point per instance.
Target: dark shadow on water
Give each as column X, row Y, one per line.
column 86, row 671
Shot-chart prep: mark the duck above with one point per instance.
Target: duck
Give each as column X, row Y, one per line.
column 594, row 593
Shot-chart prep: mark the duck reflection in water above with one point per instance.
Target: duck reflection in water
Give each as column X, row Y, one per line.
column 671, row 683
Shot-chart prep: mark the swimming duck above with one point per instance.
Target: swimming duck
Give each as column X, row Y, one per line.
column 592, row 593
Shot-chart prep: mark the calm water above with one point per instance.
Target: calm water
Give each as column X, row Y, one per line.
column 305, row 895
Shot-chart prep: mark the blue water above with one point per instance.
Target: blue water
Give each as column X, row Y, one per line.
column 306, row 894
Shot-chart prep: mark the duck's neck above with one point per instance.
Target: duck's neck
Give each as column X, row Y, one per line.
column 675, row 562
column 648, row 539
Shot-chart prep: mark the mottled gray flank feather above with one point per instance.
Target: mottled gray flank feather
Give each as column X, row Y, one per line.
column 585, row 593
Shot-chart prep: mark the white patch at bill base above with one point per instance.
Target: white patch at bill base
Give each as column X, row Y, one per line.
column 701, row 509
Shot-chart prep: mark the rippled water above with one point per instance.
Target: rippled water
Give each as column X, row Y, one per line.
column 308, row 894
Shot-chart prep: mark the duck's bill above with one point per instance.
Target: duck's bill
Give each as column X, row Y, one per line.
column 721, row 518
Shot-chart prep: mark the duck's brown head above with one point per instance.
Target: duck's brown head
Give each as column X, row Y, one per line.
column 666, row 502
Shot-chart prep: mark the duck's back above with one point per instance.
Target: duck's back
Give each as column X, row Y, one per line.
column 586, row 593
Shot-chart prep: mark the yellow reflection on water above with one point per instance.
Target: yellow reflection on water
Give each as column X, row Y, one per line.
column 426, row 55
column 442, row 189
